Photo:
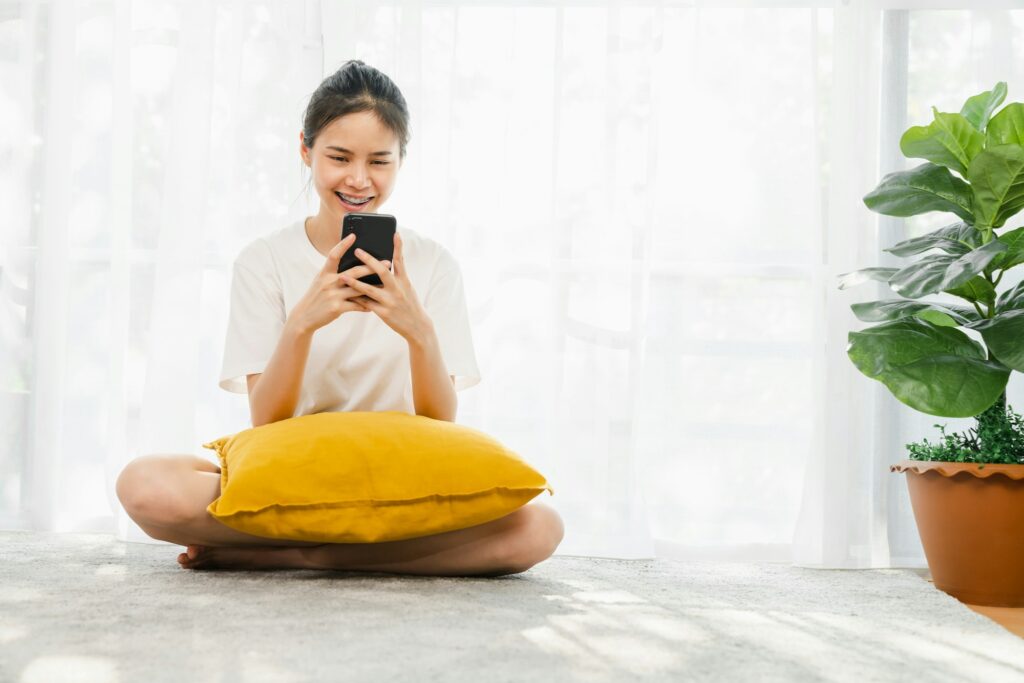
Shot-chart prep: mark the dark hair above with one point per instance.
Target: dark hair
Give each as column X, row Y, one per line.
column 355, row 87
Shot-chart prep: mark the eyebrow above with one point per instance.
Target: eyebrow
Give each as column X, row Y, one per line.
column 348, row 151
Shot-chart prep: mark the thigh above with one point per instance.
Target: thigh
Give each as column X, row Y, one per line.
column 167, row 496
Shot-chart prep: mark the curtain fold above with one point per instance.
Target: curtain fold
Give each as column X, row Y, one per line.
column 650, row 204
column 172, row 386
column 838, row 523
column 246, row 48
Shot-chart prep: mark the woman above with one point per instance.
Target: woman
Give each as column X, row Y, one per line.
column 394, row 352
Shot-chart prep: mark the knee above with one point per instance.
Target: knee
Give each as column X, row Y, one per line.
column 146, row 490
column 538, row 530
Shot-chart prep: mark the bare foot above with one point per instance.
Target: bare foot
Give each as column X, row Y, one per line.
column 244, row 557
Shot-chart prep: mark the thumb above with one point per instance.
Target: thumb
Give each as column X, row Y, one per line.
column 335, row 254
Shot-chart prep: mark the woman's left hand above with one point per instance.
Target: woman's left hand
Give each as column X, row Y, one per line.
column 395, row 302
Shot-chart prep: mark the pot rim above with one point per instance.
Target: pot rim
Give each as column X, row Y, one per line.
column 981, row 470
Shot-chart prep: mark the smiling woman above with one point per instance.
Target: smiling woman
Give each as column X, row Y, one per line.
column 352, row 177
column 408, row 348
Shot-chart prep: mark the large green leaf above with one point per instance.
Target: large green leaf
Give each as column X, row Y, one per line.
column 1011, row 298
column 1002, row 335
column 950, row 140
column 1006, row 127
column 979, row 108
column 972, row 263
column 968, row 312
column 958, row 238
column 893, row 309
column 1014, row 254
column 908, row 340
column 936, row 370
column 857, row 277
column 997, row 178
column 948, row 386
column 940, row 272
column 976, row 289
column 922, row 277
column 922, row 189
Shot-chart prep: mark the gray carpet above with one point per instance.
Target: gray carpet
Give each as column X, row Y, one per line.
column 88, row 608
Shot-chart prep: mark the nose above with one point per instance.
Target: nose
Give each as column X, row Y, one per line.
column 359, row 179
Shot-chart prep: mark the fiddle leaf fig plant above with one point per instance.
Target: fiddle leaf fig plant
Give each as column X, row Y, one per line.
column 974, row 170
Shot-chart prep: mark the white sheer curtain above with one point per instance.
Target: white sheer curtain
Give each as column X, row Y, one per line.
column 152, row 140
column 649, row 202
column 891, row 63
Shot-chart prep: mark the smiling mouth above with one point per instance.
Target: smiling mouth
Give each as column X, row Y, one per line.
column 349, row 202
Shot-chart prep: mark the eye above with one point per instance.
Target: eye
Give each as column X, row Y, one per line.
column 382, row 163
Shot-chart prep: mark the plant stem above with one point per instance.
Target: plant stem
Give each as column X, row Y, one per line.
column 978, row 309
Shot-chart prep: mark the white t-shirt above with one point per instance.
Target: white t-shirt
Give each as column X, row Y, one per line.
column 356, row 362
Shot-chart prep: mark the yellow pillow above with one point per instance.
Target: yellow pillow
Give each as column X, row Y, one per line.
column 366, row 477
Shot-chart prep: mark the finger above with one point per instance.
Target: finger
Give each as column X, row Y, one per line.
column 387, row 277
column 399, row 269
column 356, row 272
column 349, row 293
column 381, row 268
column 370, row 261
column 372, row 291
column 354, row 283
column 336, row 252
column 396, row 272
column 359, row 302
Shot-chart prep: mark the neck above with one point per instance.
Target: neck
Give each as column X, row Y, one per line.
column 323, row 230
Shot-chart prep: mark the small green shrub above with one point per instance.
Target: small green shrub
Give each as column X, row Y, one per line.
column 997, row 438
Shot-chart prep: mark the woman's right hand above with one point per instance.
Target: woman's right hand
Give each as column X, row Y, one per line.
column 328, row 297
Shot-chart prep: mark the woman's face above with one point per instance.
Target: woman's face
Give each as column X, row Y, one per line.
column 355, row 156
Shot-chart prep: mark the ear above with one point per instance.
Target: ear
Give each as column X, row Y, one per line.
column 303, row 150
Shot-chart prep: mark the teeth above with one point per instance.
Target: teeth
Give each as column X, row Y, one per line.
column 352, row 200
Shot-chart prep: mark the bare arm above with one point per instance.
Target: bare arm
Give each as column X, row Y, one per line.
column 274, row 393
column 432, row 395
column 300, row 352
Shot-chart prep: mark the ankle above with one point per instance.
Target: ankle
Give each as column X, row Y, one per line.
column 319, row 556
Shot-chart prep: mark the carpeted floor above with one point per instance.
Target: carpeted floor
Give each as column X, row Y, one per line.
column 88, row 608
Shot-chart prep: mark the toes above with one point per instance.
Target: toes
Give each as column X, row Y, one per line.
column 193, row 556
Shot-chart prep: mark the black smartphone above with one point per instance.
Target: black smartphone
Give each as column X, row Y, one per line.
column 375, row 234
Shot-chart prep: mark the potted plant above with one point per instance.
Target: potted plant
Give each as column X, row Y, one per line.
column 967, row 490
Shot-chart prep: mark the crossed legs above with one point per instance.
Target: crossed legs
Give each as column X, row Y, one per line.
column 167, row 496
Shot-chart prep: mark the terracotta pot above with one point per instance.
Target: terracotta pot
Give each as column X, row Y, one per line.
column 971, row 520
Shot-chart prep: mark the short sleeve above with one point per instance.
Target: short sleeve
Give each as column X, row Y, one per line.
column 445, row 303
column 255, row 322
